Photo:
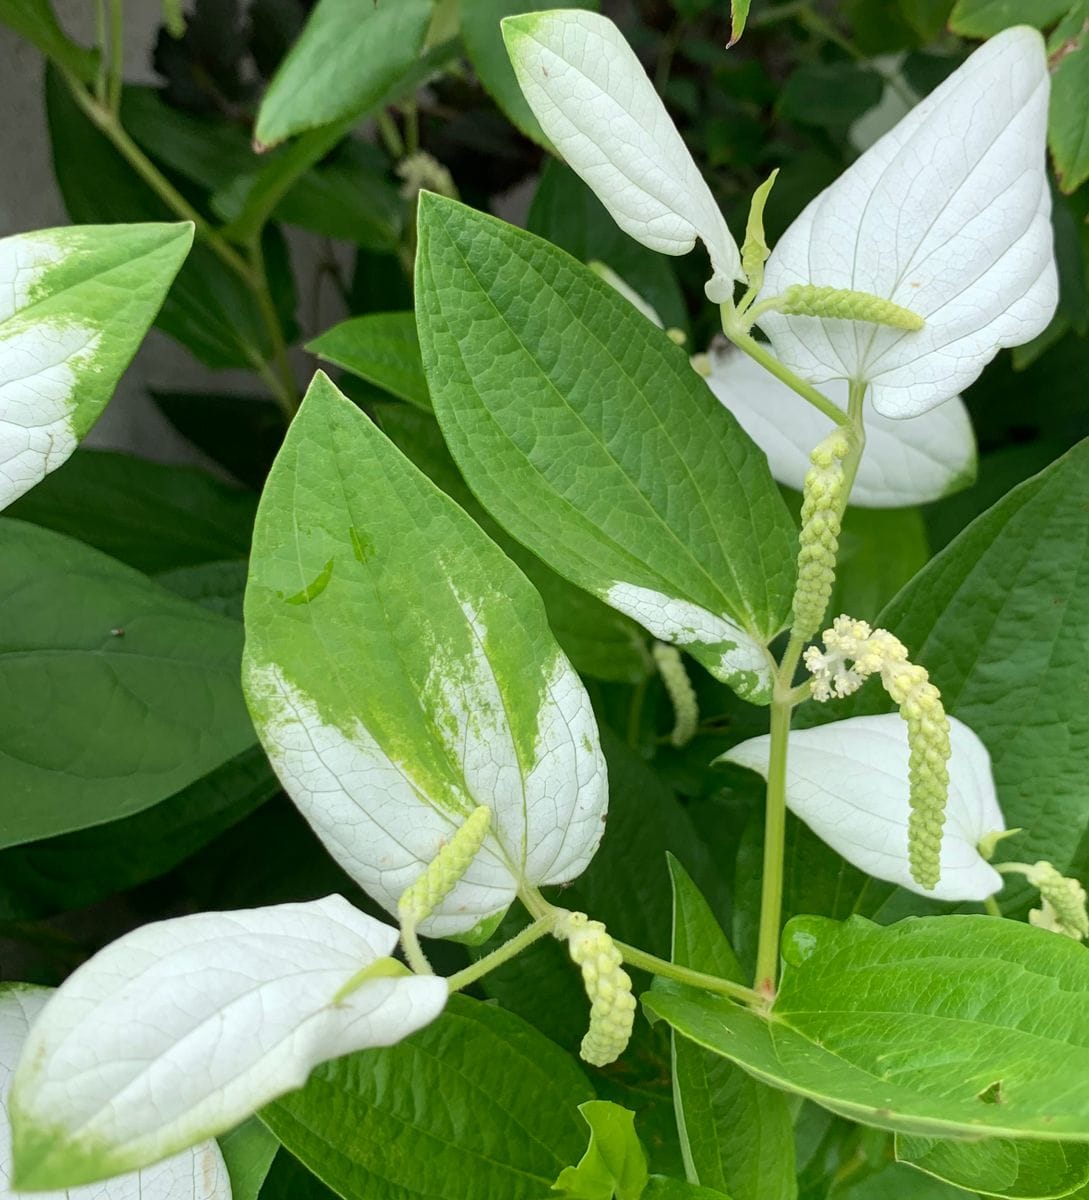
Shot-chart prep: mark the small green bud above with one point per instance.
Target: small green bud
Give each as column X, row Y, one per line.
column 818, row 543
column 439, row 878
column 682, row 694
column 754, row 250
column 989, row 842
column 842, row 304
column 608, row 988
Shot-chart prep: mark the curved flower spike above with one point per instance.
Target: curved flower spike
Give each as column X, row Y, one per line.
column 948, row 215
column 179, row 1030
column 904, row 463
column 198, row 1173
column 594, row 101
column 848, row 781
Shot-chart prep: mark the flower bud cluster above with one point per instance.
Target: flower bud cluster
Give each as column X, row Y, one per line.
column 682, row 694
column 1063, row 901
column 852, row 653
column 808, row 300
column 441, row 875
column 608, row 988
column 823, row 499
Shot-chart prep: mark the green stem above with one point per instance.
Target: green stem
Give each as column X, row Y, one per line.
column 389, row 133
column 737, row 333
column 285, row 391
column 117, row 56
column 991, row 907
column 771, row 882
column 251, row 273
column 412, row 127
column 526, row 937
column 414, row 954
column 709, row 983
column 100, row 43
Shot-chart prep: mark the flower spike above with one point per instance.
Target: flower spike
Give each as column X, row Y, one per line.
column 608, row 988
column 853, row 652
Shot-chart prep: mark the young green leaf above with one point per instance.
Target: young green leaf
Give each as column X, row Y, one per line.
column 947, row 215
column 1000, row 1166
column 848, row 781
column 383, row 349
column 346, row 58
column 737, row 1133
column 614, row 1165
column 179, row 1030
column 594, row 101
column 905, row 462
column 587, row 434
column 477, row 1104
column 197, row 1173
column 401, row 672
column 739, row 14
column 953, row 1026
column 76, row 305
column 115, row 693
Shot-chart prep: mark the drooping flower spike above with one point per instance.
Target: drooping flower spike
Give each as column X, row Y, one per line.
column 848, row 781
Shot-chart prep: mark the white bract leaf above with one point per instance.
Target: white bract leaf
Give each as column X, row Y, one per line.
column 74, row 305
column 947, row 215
column 179, row 1030
column 594, row 101
column 848, row 781
column 384, row 821
column 198, row 1173
column 905, row 462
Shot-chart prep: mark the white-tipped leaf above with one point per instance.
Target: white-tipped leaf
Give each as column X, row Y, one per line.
column 848, row 781
column 179, row 1030
column 594, row 101
column 905, row 462
column 947, row 215
column 198, row 1173
column 401, row 672
column 75, row 304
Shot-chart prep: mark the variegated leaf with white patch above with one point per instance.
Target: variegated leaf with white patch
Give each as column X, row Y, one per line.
column 181, row 1029
column 588, row 436
column 593, row 99
column 948, row 215
column 400, row 672
column 905, row 462
column 75, row 304
column 197, row 1173
column 848, row 781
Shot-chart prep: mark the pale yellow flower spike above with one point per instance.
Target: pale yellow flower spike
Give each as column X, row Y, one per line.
column 1063, row 901
column 853, row 652
column 682, row 694
column 818, row 543
column 608, row 988
column 437, row 880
